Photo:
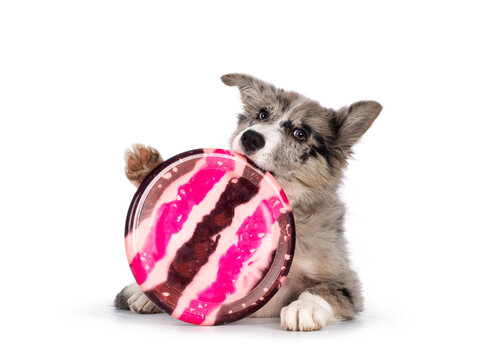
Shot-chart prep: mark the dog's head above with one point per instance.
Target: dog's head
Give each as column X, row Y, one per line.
column 294, row 137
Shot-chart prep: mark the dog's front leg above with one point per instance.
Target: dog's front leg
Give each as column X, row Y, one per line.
column 139, row 162
column 321, row 305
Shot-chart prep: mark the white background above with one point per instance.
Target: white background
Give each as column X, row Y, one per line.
column 80, row 81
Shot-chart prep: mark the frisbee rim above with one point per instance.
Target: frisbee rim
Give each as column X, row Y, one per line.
column 290, row 247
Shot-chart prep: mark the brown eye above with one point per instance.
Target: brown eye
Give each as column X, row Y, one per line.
column 300, row 134
column 263, row 114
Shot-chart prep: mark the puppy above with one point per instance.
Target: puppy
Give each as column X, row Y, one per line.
column 306, row 147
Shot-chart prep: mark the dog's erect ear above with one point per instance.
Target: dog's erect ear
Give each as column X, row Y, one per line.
column 250, row 88
column 353, row 121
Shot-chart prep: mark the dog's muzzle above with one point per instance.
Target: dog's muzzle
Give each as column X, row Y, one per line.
column 252, row 141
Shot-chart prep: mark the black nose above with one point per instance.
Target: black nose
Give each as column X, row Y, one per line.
column 252, row 141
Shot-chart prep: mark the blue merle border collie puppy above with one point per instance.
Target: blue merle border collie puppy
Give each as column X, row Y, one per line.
column 306, row 146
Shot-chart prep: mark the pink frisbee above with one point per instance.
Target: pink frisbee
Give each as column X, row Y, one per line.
column 209, row 236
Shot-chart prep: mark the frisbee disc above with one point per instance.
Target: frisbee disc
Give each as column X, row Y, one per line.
column 209, row 236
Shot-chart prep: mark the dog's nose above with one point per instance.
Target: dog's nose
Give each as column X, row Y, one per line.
column 252, row 141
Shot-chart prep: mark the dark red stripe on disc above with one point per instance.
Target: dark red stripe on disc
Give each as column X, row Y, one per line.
column 195, row 252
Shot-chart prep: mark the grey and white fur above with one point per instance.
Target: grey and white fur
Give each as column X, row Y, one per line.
column 306, row 147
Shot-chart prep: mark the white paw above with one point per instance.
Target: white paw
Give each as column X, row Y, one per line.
column 141, row 304
column 310, row 312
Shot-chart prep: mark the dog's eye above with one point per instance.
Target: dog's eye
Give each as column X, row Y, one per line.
column 263, row 114
column 300, row 134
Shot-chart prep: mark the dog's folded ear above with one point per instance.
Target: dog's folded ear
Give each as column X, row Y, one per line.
column 353, row 121
column 250, row 87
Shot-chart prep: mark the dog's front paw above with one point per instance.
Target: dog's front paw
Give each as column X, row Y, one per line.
column 140, row 161
column 141, row 304
column 132, row 298
column 310, row 312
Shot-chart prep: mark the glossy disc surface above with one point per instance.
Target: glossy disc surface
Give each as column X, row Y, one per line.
column 209, row 236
